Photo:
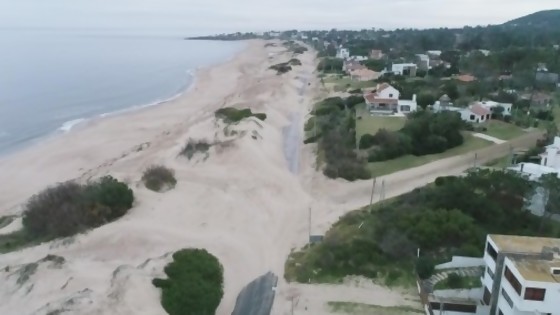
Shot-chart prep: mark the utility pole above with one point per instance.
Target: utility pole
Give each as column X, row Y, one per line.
column 309, row 239
column 382, row 192
column 372, row 190
column 475, row 160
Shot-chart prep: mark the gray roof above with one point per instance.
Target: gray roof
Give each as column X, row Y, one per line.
column 444, row 98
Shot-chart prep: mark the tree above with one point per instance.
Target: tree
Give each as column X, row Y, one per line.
column 550, row 184
column 375, row 65
column 425, row 99
column 425, row 267
column 450, row 88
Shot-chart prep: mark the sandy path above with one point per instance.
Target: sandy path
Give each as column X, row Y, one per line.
column 242, row 203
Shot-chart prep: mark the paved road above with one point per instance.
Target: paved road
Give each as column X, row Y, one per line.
column 292, row 133
column 257, row 297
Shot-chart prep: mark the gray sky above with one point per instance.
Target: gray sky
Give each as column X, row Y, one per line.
column 210, row 16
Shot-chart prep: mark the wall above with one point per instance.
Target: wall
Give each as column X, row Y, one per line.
column 462, row 262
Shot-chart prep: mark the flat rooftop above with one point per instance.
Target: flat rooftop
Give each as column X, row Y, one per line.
column 523, row 244
column 537, row 270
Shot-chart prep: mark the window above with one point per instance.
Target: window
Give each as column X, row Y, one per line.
column 534, row 294
column 555, row 272
column 491, row 251
column 472, row 117
column 513, row 281
column 500, row 312
column 391, row 95
column 489, row 272
column 507, row 298
column 487, row 296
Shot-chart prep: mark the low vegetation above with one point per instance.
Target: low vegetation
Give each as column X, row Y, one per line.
column 367, row 309
column 194, row 283
column 69, row 208
column 455, row 281
column 192, row 147
column 295, row 47
column 451, row 217
column 6, row 220
column 158, row 178
column 234, row 115
column 281, row 68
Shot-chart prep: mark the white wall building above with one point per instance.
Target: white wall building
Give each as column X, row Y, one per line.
column 491, row 105
column 402, row 68
column 522, row 275
column 342, row 53
column 386, row 100
column 551, row 157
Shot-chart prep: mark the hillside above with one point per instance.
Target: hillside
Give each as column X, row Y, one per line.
column 543, row 19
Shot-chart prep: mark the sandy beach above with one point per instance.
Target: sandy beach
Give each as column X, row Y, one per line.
column 245, row 202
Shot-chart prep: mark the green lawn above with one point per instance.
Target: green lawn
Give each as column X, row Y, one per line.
column 503, row 130
column 465, row 283
column 408, row 161
column 500, row 162
column 371, row 124
column 369, row 309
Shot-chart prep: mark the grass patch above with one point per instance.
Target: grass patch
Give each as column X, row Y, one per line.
column 368, row 124
column 456, row 282
column 408, row 161
column 234, row 115
column 499, row 162
column 14, row 241
column 503, row 130
column 194, row 283
column 369, row 309
column 158, row 178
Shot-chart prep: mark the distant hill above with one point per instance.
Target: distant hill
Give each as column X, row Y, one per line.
column 549, row 19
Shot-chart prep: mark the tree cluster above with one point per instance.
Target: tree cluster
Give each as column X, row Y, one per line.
column 424, row 133
column 70, row 208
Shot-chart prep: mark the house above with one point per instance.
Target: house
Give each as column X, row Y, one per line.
column 547, row 77
column 484, row 52
column 444, row 103
column 551, row 157
column 522, row 275
column 556, row 47
column 351, row 65
column 423, row 62
column 435, row 53
column 342, row 53
column 364, row 74
column 385, row 100
column 376, row 54
column 491, row 105
column 404, row 69
column 476, row 114
column 357, row 58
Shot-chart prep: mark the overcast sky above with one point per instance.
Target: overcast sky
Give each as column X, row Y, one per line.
column 211, row 16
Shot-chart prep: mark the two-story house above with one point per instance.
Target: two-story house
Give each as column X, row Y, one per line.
column 385, row 100
column 522, row 276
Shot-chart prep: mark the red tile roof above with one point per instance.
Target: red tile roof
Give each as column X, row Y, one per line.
column 479, row 110
column 465, row 78
column 373, row 98
column 383, row 86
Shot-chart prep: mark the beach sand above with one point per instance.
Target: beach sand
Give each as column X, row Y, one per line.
column 241, row 202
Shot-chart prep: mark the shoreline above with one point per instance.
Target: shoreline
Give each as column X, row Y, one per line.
column 85, row 122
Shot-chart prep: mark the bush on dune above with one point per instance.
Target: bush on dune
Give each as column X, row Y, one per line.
column 158, row 178
column 70, row 208
column 233, row 115
column 194, row 284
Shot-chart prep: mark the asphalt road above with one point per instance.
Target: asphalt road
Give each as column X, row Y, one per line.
column 292, row 133
column 257, row 297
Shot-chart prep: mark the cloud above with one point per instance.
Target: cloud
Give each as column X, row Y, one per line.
column 207, row 16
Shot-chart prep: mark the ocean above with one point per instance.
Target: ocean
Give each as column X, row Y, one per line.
column 52, row 80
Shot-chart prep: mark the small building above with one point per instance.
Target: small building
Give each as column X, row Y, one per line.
column 376, row 54
column 351, row 65
column 484, row 52
column 435, row 53
column 491, row 105
column 540, row 99
column 404, row 69
column 443, row 104
column 465, row 78
column 342, row 53
column 385, row 100
column 476, row 114
column 551, row 157
column 423, row 62
column 547, row 77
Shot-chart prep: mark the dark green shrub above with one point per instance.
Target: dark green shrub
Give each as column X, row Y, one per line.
column 70, row 208
column 158, row 177
column 261, row 116
column 281, row 68
column 425, row 267
column 367, row 141
column 312, row 139
column 233, row 115
column 194, row 283
column 294, row 62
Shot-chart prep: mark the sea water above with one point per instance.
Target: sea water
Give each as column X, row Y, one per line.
column 51, row 81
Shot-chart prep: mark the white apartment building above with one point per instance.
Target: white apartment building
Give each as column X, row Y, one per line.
column 343, row 53
column 522, row 275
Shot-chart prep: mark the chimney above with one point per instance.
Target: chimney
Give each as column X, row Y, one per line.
column 414, row 97
column 522, row 166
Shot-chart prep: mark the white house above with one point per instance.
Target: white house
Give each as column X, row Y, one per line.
column 385, row 100
column 434, row 52
column 551, row 157
column 342, row 53
column 475, row 114
column 423, row 61
column 404, row 68
column 522, row 275
column 490, row 105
